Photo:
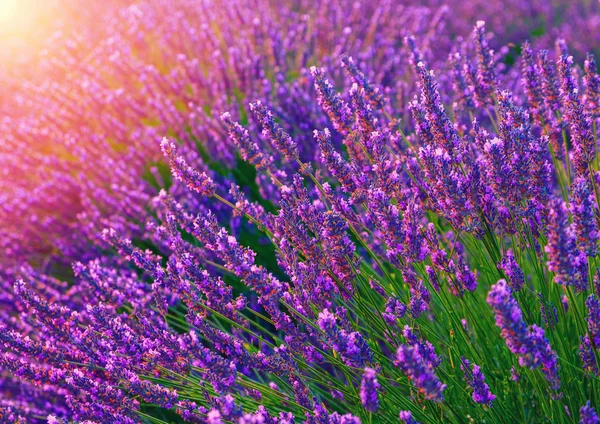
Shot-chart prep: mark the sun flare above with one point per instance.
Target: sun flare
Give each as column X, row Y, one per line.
column 24, row 24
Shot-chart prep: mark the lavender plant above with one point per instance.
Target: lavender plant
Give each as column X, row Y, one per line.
column 340, row 235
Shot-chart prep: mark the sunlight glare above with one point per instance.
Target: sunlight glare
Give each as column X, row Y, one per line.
column 25, row 23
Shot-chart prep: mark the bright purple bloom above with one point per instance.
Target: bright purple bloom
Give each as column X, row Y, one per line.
column 250, row 151
column 588, row 414
column 509, row 318
column 443, row 130
column 586, row 353
column 365, row 116
column 153, row 393
column 463, row 77
column 564, row 259
column 593, row 318
column 273, row 131
column 552, row 102
column 509, row 265
column 198, row 182
column 591, row 81
column 351, row 346
column 394, row 310
column 369, row 388
column 530, row 344
column 545, row 357
column 372, row 92
column 420, row 372
column 339, row 168
column 579, row 120
column 476, row 380
column 332, row 103
column 425, row 347
column 407, row 417
column 532, row 82
column 485, row 83
column 583, row 209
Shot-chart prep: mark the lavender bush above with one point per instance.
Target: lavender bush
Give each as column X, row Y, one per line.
column 268, row 213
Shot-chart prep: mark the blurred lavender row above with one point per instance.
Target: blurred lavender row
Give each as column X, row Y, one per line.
column 82, row 120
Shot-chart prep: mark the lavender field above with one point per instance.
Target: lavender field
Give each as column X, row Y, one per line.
column 299, row 211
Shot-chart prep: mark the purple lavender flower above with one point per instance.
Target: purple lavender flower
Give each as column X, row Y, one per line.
column 407, row 417
column 420, row 372
column 369, row 388
column 545, row 357
column 514, row 374
column 443, row 130
column 485, row 83
column 351, row 346
column 509, row 265
column 552, row 102
column 463, row 75
column 586, row 353
column 426, row 348
column 593, row 318
column 591, row 81
column 365, row 117
column 250, row 151
column 198, row 182
column 583, row 210
column 588, row 414
column 532, row 82
column 386, row 217
column 160, row 324
column 476, row 380
column 340, row 169
column 273, row 131
column 530, row 344
column 372, row 92
column 578, row 119
column 564, row 259
column 565, row 303
column 509, row 318
column 150, row 392
column 332, row 103
column 394, row 310
column 419, row 299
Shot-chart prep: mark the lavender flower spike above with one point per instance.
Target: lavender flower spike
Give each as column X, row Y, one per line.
column 372, row 92
column 420, row 372
column 368, row 390
column 332, row 103
column 273, row 131
column 530, row 343
column 564, row 259
column 407, row 417
column 588, row 414
column 583, row 210
column 509, row 318
column 579, row 120
column 250, row 151
column 198, row 182
column 509, row 265
column 593, row 318
column 476, row 380
column 486, row 77
column 351, row 346
column 588, row 358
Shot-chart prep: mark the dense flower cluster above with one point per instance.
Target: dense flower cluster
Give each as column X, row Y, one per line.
column 289, row 212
